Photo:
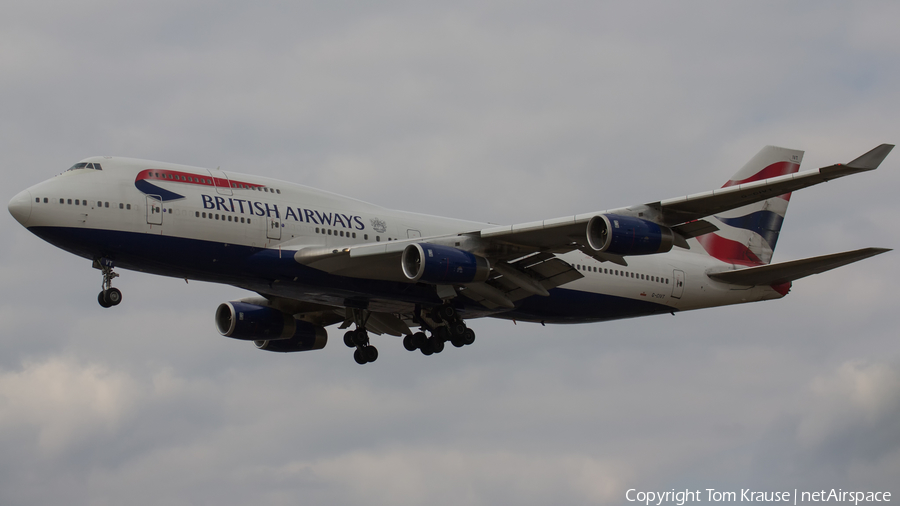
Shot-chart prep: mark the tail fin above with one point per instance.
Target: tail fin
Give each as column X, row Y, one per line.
column 747, row 235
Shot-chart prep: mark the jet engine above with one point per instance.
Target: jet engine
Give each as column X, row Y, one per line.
column 625, row 235
column 271, row 329
column 431, row 263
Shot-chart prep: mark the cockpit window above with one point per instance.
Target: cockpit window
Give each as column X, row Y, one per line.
column 85, row 165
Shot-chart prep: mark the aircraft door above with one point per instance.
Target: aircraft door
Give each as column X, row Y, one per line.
column 154, row 210
column 221, row 182
column 678, row 284
column 273, row 231
column 413, row 234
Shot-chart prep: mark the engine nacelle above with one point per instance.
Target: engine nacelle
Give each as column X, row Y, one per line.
column 624, row 235
column 431, row 263
column 293, row 344
column 276, row 330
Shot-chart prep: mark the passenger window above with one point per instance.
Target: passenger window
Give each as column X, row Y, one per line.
column 248, row 220
column 378, row 238
column 99, row 204
column 242, row 220
column 196, row 214
column 46, row 200
column 121, row 206
column 354, row 235
column 329, row 231
column 37, row 200
column 365, row 237
column 69, row 201
column 278, row 192
column 76, row 202
column 106, row 204
column 61, row 201
column 127, row 206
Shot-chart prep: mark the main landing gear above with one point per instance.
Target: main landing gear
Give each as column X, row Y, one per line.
column 109, row 296
column 444, row 324
column 359, row 339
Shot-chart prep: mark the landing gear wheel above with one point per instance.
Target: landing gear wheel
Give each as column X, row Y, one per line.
column 360, row 338
column 419, row 340
column 426, row 348
column 457, row 329
column 409, row 342
column 447, row 313
column 348, row 339
column 113, row 296
column 437, row 345
column 468, row 336
column 458, row 342
column 370, row 353
column 359, row 357
column 101, row 298
column 441, row 334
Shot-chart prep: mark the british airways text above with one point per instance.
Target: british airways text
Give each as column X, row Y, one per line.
column 243, row 206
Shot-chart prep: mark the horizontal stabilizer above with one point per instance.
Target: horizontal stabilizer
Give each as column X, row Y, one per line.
column 776, row 274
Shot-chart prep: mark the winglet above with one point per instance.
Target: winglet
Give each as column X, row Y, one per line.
column 872, row 159
column 865, row 163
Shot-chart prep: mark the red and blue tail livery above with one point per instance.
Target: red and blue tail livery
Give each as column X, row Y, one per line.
column 314, row 259
column 747, row 235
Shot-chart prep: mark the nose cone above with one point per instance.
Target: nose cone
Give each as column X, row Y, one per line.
column 20, row 207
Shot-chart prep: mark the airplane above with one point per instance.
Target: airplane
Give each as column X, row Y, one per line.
column 317, row 259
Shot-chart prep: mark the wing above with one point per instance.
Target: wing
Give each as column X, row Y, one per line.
column 522, row 257
column 569, row 233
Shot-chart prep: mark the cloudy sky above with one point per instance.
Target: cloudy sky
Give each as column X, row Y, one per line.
column 492, row 111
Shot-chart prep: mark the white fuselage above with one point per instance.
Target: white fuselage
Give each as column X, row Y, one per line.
column 197, row 223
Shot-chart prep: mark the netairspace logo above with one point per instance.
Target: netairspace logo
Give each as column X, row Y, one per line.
column 711, row 495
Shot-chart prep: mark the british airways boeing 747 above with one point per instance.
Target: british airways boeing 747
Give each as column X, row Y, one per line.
column 317, row 259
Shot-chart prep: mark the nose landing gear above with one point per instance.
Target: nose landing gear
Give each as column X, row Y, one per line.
column 109, row 296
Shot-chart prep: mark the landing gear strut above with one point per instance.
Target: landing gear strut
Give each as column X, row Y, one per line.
column 444, row 324
column 109, row 296
column 359, row 338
